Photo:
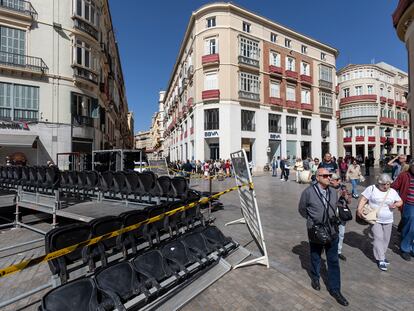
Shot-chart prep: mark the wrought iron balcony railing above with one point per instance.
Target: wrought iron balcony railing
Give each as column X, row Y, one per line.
column 20, row 6
column 249, row 95
column 82, row 120
column 86, row 27
column 86, row 74
column 23, row 61
column 248, row 61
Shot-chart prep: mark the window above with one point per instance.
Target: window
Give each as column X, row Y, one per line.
column 305, row 96
column 288, row 43
column 358, row 90
column 325, row 73
column 18, row 102
column 84, row 106
column 346, row 92
column 249, row 48
column 211, row 46
column 274, row 123
column 325, row 99
column 291, row 93
column 88, row 11
column 291, row 125
column 370, row 89
column 304, row 69
column 249, row 83
column 381, row 91
column 247, row 120
column 370, row 131
column 246, row 27
column 290, row 63
column 273, row 37
column 305, row 126
column 382, row 131
column 348, row 132
column 398, row 133
column 384, row 113
column 84, row 56
column 211, row 119
column 274, row 89
column 325, row 128
column 323, row 56
column 359, row 131
column 274, row 59
column 211, row 22
column 210, row 81
column 304, row 49
column 12, row 42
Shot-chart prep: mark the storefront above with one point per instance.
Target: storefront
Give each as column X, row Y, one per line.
column 274, row 147
column 212, row 144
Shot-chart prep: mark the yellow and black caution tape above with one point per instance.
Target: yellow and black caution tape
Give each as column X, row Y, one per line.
column 64, row 251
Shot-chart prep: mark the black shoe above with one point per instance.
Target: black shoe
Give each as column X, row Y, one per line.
column 315, row 285
column 339, row 298
column 406, row 256
column 342, row 257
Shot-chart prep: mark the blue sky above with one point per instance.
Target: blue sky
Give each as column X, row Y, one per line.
column 149, row 34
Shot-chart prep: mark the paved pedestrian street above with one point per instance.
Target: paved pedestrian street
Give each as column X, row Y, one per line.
column 286, row 284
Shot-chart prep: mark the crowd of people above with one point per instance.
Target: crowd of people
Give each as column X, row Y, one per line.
column 206, row 168
column 325, row 206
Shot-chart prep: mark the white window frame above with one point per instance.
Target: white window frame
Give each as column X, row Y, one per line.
column 304, row 68
column 290, row 92
column 89, row 11
column 273, row 37
column 325, row 73
column 249, row 82
column 325, row 99
column 249, row 48
column 246, row 27
column 211, row 22
column 359, row 131
column 274, row 89
column 211, row 80
column 348, row 132
column 358, row 90
column 86, row 51
column 304, row 49
column 370, row 89
column 211, row 46
column 305, row 96
column 346, row 92
column 323, row 56
column 274, row 59
column 290, row 63
column 288, row 43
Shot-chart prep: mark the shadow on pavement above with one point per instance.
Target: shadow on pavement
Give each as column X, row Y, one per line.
column 361, row 241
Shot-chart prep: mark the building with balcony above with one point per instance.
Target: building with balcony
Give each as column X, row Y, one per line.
column 402, row 21
column 244, row 81
column 371, row 99
column 142, row 140
column 61, row 83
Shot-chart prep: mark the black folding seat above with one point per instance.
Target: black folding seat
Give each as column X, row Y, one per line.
column 178, row 257
column 32, row 177
column 106, row 181
column 72, row 181
column 132, row 238
column 121, row 283
column 181, row 186
column 197, row 244
column 176, row 220
column 3, row 175
column 131, row 183
column 62, row 237
column 150, row 185
column 81, row 182
column 52, row 180
column 216, row 239
column 156, row 228
column 101, row 226
column 153, row 268
column 17, row 175
column 167, row 188
column 64, row 180
column 9, row 178
column 41, row 177
column 92, row 179
column 119, row 186
column 25, row 176
column 79, row 295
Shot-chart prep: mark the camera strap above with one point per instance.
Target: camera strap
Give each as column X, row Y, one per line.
column 327, row 199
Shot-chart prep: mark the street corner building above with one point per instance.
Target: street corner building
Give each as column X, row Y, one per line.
column 372, row 106
column 61, row 81
column 244, row 81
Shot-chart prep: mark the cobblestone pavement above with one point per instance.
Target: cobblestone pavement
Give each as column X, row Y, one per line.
column 286, row 284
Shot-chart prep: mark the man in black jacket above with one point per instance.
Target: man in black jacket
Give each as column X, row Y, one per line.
column 318, row 205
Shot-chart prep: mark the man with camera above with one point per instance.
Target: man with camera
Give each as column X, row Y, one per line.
column 318, row 205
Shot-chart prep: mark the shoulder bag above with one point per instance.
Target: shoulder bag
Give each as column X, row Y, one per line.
column 370, row 214
column 344, row 212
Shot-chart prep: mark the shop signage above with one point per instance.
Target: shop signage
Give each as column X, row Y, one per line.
column 210, row 134
column 274, row 136
column 9, row 125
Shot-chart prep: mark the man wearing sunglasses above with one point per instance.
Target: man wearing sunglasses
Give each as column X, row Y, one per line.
column 317, row 204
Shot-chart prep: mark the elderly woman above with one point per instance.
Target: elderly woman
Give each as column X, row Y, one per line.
column 385, row 200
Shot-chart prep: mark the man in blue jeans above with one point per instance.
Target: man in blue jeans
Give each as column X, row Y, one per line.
column 316, row 201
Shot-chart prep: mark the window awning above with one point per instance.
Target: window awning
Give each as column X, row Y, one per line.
column 13, row 140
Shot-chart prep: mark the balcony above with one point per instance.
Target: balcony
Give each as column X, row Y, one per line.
column 276, row 101
column 391, row 140
column 85, row 74
column 78, row 120
column 211, row 59
column 210, row 95
column 383, row 99
column 325, row 134
column 305, row 79
column 306, row 106
column 383, row 140
column 190, row 103
column 404, row 105
column 405, row 123
column 190, row 71
column 390, row 101
column 359, row 138
column 249, row 96
column 248, row 61
column 347, row 139
column 358, row 98
column 325, row 110
column 387, row 120
column 274, row 70
column 293, row 104
column 291, row 130
column 23, row 63
column 400, row 122
column 398, row 103
column 325, row 84
column 86, row 27
column 306, row 132
column 250, row 127
column 399, row 141
column 291, row 75
column 405, row 141
column 19, row 8
column 371, row 139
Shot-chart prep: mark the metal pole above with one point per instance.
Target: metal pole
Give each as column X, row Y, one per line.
column 22, row 296
column 210, row 181
column 16, row 219
column 32, row 228
column 21, row 244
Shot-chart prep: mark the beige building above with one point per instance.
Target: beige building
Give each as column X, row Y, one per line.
column 143, row 140
column 61, row 81
column 244, row 81
column 402, row 20
column 372, row 101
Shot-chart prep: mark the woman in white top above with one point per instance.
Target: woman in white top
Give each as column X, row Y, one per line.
column 385, row 200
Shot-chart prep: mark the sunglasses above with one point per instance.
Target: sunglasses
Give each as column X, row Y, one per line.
column 325, row 175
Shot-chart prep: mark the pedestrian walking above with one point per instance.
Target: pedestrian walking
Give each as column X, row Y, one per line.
column 274, row 167
column 343, row 168
column 282, row 169
column 367, row 163
column 314, row 168
column 298, row 167
column 354, row 176
column 404, row 184
column 329, row 164
column 384, row 200
column 316, row 205
column 399, row 164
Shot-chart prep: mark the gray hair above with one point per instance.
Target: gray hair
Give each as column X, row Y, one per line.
column 384, row 179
